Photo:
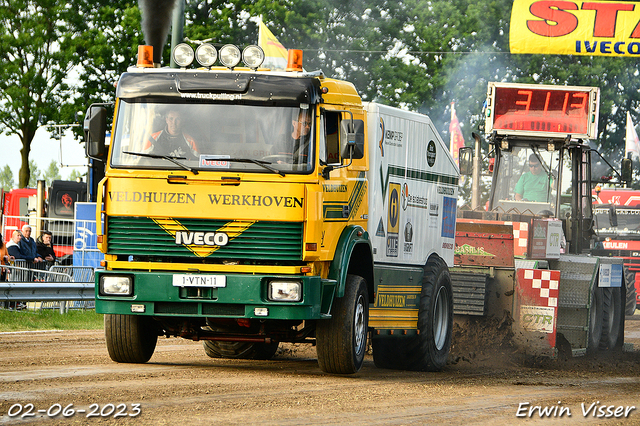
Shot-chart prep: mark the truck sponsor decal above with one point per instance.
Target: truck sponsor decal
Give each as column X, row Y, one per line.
column 408, row 238
column 409, row 200
column 213, row 96
column 255, row 200
column 431, row 153
column 393, row 220
column 152, row 197
column 537, row 318
column 389, row 296
column 448, row 217
column 420, row 175
column 345, row 210
column 381, row 143
column 203, row 243
column 470, row 250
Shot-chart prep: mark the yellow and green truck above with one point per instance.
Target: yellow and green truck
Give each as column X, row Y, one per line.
column 246, row 207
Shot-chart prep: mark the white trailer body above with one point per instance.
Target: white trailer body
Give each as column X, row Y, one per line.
column 413, row 188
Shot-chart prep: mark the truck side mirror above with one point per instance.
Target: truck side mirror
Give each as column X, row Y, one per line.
column 352, row 139
column 626, row 169
column 95, row 127
column 465, row 158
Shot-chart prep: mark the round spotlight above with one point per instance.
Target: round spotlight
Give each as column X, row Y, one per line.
column 253, row 56
column 206, row 55
column 183, row 55
column 229, row 55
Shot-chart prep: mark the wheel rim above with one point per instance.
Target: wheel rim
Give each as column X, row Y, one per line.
column 359, row 325
column 441, row 319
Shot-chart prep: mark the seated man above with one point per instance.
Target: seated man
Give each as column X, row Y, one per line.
column 28, row 247
column 534, row 184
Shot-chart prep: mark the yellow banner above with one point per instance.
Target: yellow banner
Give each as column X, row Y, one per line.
column 600, row 28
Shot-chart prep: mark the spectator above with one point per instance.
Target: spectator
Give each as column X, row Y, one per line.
column 13, row 246
column 5, row 258
column 45, row 248
column 28, row 246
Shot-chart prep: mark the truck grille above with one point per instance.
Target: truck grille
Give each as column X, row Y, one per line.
column 144, row 239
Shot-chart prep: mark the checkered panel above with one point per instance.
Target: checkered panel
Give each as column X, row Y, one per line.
column 520, row 236
column 543, row 286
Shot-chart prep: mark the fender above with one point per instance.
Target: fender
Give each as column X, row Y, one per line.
column 353, row 239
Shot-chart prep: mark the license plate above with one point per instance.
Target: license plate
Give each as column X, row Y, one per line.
column 199, row 280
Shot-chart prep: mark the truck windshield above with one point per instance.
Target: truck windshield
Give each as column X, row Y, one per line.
column 628, row 221
column 526, row 181
column 212, row 137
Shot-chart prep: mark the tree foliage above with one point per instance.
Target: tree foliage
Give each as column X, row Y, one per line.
column 37, row 51
column 6, row 178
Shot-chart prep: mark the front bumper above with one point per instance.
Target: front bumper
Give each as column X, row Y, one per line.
column 154, row 294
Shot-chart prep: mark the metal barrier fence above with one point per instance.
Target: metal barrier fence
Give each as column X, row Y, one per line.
column 59, row 287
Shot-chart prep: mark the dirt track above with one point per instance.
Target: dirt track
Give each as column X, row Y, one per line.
column 181, row 384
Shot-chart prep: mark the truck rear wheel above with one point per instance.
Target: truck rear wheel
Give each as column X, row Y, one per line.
column 342, row 340
column 596, row 317
column 240, row 350
column 130, row 338
column 613, row 319
column 632, row 294
column 429, row 350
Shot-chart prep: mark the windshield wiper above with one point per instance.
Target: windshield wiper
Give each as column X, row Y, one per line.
column 264, row 164
column 166, row 157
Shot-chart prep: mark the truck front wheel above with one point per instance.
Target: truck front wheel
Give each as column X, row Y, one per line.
column 130, row 338
column 342, row 340
column 240, row 350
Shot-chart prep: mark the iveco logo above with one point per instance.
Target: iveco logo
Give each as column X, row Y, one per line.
column 202, row 238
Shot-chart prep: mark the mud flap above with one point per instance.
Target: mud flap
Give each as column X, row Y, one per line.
column 536, row 311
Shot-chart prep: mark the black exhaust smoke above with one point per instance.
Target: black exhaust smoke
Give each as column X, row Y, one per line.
column 156, row 22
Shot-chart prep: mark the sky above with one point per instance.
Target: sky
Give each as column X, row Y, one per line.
column 69, row 154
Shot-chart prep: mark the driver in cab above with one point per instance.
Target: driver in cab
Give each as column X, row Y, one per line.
column 172, row 141
column 533, row 185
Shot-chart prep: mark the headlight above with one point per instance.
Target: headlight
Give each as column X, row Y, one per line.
column 252, row 56
column 286, row 291
column 116, row 285
column 229, row 55
column 183, row 55
column 206, row 55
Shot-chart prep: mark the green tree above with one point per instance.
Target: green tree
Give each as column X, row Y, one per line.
column 34, row 176
column 75, row 175
column 37, row 51
column 6, row 178
column 51, row 173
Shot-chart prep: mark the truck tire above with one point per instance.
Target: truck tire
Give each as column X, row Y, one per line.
column 130, row 338
column 429, row 350
column 342, row 340
column 630, row 281
column 596, row 317
column 240, row 350
column 613, row 319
